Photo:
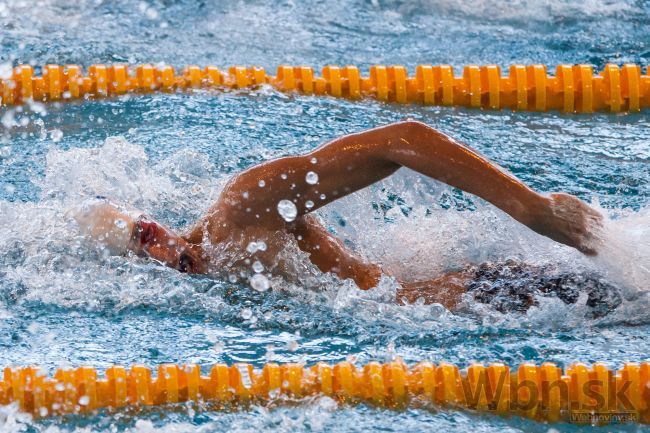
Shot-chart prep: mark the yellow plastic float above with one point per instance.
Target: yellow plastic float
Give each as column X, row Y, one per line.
column 595, row 395
column 573, row 88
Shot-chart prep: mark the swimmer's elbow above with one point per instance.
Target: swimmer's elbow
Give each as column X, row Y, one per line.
column 414, row 130
column 417, row 127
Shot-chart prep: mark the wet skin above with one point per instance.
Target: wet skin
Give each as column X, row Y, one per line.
column 348, row 164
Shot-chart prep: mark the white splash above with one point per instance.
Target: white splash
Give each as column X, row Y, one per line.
column 625, row 253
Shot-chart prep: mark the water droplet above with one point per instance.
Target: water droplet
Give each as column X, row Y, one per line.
column 84, row 400
column 245, row 194
column 311, row 178
column 246, row 313
column 283, row 176
column 120, row 224
column 56, row 135
column 261, row 246
column 260, row 283
column 322, row 196
column 219, row 346
column 261, row 183
column 258, row 267
column 309, row 204
column 313, row 160
column 232, row 278
column 292, row 346
column 6, row 70
column 287, row 210
column 151, row 13
column 270, row 353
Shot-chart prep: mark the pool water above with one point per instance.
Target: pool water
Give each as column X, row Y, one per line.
column 64, row 303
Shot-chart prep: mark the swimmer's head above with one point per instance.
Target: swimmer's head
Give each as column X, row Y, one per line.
column 120, row 231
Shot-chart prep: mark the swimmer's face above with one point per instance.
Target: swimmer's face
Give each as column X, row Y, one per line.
column 162, row 244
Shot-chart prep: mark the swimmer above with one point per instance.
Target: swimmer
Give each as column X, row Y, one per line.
column 275, row 199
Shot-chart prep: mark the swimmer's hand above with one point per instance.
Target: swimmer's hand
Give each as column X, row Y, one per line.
column 569, row 220
column 120, row 232
column 366, row 275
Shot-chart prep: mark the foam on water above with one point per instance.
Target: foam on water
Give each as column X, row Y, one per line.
column 526, row 10
column 390, row 32
column 627, row 247
column 319, row 414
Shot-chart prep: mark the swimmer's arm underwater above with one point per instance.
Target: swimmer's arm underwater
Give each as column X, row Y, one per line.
column 329, row 254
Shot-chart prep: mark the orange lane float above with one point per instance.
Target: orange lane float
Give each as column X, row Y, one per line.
column 583, row 394
column 572, row 88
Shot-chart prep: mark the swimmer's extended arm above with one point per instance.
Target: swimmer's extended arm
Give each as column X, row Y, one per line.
column 355, row 161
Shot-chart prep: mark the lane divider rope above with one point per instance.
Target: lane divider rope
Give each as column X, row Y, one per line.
column 573, row 88
column 582, row 394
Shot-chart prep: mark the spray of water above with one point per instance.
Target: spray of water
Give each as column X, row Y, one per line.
column 624, row 255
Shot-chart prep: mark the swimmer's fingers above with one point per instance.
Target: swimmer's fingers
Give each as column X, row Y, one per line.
column 572, row 222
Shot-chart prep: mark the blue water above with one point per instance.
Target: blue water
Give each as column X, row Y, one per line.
column 62, row 302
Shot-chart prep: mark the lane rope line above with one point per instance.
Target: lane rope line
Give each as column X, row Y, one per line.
column 579, row 394
column 573, row 88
